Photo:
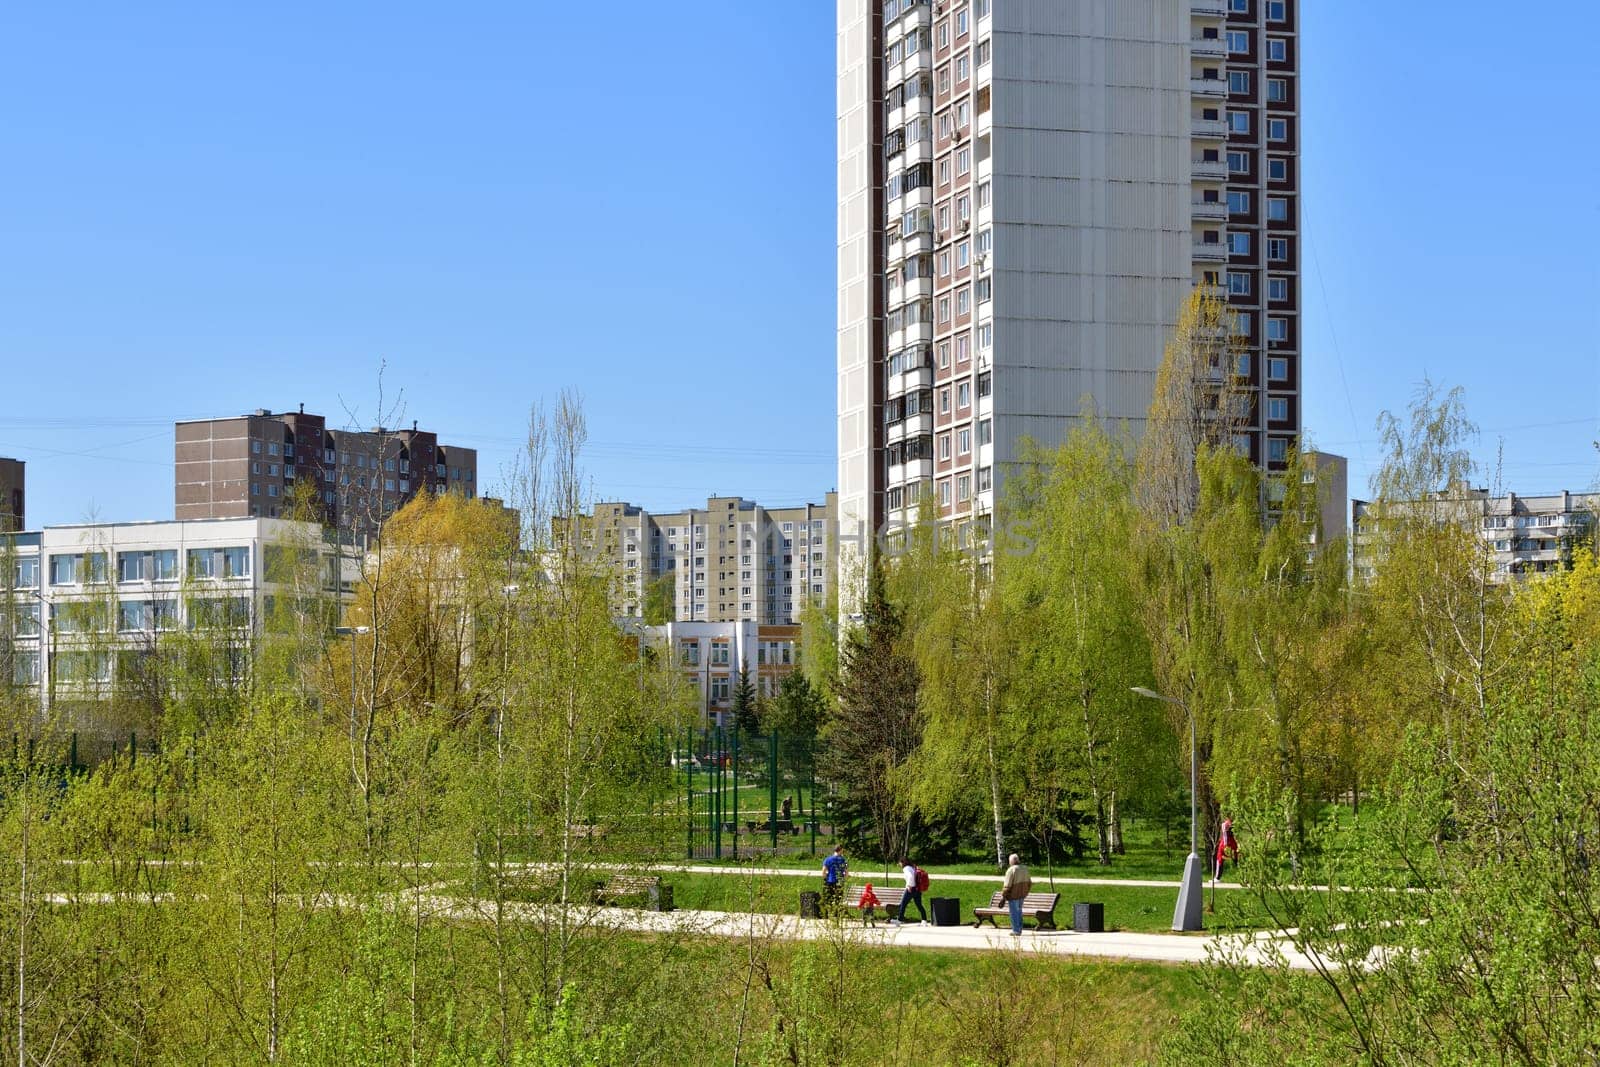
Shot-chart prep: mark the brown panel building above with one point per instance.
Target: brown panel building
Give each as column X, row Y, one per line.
column 13, row 494
column 263, row 463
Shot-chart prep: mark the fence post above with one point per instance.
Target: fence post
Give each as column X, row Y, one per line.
column 734, row 774
column 811, row 764
column 772, row 788
column 688, row 773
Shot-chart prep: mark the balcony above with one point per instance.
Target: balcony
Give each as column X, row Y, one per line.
column 917, row 378
column 1209, row 129
column 1214, row 88
column 1214, row 170
column 1209, row 210
column 1207, row 48
column 915, row 470
column 1209, row 8
column 1210, row 251
column 918, row 425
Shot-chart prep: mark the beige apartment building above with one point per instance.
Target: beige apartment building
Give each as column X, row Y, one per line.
column 732, row 561
column 13, row 494
column 252, row 467
column 1521, row 534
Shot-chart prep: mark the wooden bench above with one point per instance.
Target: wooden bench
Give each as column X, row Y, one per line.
column 1040, row 906
column 888, row 899
column 641, row 887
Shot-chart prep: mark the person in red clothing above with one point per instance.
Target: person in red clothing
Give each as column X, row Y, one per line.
column 869, row 905
column 1227, row 847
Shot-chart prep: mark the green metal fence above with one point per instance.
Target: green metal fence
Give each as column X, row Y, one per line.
column 747, row 795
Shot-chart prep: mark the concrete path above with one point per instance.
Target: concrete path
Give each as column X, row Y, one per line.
column 816, row 872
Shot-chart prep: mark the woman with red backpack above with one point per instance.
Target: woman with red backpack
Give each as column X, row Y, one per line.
column 916, row 882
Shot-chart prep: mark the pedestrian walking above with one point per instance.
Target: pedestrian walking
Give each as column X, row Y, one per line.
column 916, row 881
column 1227, row 847
column 835, row 869
column 1017, row 885
column 869, row 904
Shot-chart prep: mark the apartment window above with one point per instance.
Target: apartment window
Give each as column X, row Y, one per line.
column 1278, row 170
column 1277, row 289
column 944, row 401
column 1277, row 450
column 272, row 490
column 985, row 384
column 985, row 479
column 388, row 484
column 1239, row 244
column 1277, row 209
column 1278, row 409
column 1238, row 202
column 1277, row 49
column 963, row 348
column 944, row 355
column 963, row 68
column 131, row 616
column 130, row 566
column 985, row 336
column 164, row 565
column 1275, row 10
column 944, row 219
column 1239, row 7
column 1243, row 323
column 28, row 618
column 964, row 394
column 985, row 193
column 1277, row 329
column 1277, row 129
column 1239, row 82
column 328, row 455
column 1239, row 122
column 1242, row 366
column 964, row 488
column 944, row 309
column 272, row 448
column 1238, row 283
column 964, row 442
column 1238, row 41
column 1277, row 369
column 963, row 161
column 985, row 432
column 944, row 264
column 202, row 563
column 944, row 446
column 944, row 492
column 236, row 562
column 944, row 172
column 983, row 287
column 964, row 301
column 1239, row 162
column 255, row 447
column 27, row 573
column 964, row 254
column 961, row 22
column 1277, row 248
column 983, row 53
column 944, row 35
column 1277, row 90
column 963, row 208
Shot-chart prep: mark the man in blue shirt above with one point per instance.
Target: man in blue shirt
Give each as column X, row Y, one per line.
column 835, row 869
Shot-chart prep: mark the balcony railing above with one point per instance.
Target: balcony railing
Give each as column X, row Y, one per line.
column 1211, row 169
column 1212, row 129
column 1211, row 87
column 1206, row 7
column 1210, row 251
column 1214, row 210
column 1211, row 47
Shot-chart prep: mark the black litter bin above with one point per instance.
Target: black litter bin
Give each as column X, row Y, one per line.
column 946, row 910
column 661, row 898
column 1089, row 918
column 810, row 904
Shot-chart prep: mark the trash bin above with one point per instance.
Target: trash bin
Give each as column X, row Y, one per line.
column 810, row 904
column 1089, row 918
column 661, row 898
column 946, row 910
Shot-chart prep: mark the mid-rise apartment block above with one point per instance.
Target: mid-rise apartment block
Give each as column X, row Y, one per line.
column 1521, row 535
column 711, row 655
column 732, row 561
column 256, row 465
column 1028, row 192
column 13, row 494
column 84, row 603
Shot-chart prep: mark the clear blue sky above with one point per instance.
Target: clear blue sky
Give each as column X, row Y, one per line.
column 207, row 208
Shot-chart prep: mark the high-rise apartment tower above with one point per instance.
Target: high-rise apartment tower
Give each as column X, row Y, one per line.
column 1028, row 192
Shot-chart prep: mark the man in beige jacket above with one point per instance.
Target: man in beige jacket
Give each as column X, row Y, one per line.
column 1015, row 887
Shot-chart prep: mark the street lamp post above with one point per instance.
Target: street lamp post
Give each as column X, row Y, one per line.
column 352, row 631
column 1186, row 916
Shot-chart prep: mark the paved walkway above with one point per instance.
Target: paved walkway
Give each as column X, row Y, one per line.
column 816, row 872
